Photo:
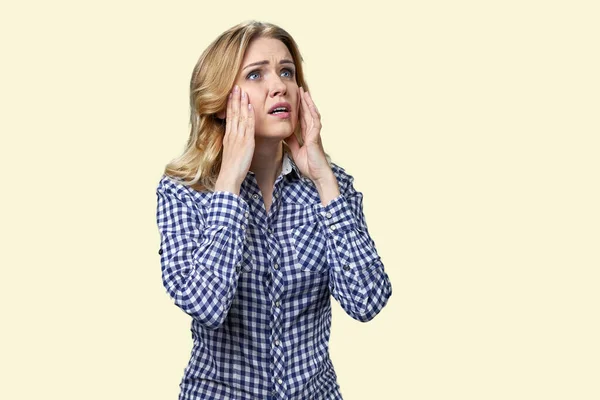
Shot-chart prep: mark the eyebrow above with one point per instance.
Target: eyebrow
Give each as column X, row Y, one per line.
column 263, row 62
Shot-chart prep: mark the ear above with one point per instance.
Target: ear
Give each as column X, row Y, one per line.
column 221, row 114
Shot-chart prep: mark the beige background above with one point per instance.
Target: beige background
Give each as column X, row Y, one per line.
column 471, row 127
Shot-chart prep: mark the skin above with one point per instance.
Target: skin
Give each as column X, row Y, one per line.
column 253, row 138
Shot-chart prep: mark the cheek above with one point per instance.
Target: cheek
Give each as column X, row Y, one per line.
column 253, row 99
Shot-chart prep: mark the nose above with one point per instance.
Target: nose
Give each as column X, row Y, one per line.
column 277, row 87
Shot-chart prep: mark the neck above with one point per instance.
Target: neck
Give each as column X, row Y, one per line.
column 266, row 163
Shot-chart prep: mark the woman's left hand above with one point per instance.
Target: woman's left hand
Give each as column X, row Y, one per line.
column 310, row 158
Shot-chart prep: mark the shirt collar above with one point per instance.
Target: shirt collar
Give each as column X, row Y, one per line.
column 289, row 166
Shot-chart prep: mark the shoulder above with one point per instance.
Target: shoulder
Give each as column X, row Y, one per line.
column 170, row 188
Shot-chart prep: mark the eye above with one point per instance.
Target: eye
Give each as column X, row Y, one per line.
column 255, row 72
column 290, row 71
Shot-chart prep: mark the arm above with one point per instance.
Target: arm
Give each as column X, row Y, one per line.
column 357, row 279
column 199, row 259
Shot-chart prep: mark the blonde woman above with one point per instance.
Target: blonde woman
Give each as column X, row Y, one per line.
column 259, row 229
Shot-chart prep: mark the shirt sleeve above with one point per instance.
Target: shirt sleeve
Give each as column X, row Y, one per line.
column 357, row 278
column 200, row 258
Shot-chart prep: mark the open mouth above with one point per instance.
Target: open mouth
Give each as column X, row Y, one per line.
column 279, row 110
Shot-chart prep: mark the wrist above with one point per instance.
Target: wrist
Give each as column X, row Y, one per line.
column 327, row 187
column 326, row 180
column 227, row 185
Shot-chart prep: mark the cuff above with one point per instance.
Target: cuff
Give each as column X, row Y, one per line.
column 228, row 209
column 336, row 217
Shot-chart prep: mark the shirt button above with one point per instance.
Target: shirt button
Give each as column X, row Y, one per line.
column 346, row 267
column 332, row 227
column 328, row 215
column 276, row 266
column 280, row 381
column 255, row 196
column 277, row 343
column 277, row 303
column 270, row 230
column 246, row 214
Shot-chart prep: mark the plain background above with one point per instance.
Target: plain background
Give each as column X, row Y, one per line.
column 471, row 127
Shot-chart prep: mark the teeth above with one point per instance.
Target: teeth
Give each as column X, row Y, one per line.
column 279, row 109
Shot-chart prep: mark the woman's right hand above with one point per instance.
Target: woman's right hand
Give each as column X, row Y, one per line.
column 238, row 142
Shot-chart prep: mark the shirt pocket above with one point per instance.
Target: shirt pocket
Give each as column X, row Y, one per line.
column 310, row 247
column 355, row 250
column 247, row 262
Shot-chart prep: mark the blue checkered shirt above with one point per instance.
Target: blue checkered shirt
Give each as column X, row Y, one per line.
column 258, row 285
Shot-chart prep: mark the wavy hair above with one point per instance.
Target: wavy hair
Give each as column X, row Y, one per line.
column 212, row 79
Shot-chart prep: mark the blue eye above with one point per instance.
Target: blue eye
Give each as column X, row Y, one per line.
column 252, row 73
column 290, row 74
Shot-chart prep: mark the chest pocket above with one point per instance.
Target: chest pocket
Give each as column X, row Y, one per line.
column 247, row 263
column 310, row 247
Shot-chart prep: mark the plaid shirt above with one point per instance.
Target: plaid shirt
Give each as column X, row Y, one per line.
column 258, row 285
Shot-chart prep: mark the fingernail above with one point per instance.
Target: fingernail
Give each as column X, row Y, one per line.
column 236, row 88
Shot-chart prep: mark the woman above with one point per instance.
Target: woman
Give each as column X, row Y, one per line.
column 258, row 228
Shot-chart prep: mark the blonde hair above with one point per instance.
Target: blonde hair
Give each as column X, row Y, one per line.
column 212, row 79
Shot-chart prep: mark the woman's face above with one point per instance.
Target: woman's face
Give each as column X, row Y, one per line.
column 268, row 76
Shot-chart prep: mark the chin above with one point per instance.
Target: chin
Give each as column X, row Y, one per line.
column 281, row 132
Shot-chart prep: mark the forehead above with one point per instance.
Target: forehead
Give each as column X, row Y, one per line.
column 266, row 49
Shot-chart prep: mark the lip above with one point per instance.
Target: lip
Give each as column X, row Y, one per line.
column 283, row 115
column 282, row 104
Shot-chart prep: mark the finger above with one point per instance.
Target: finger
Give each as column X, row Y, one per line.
column 305, row 111
column 299, row 102
column 228, row 114
column 301, row 115
column 312, row 106
column 250, row 123
column 315, row 118
column 243, row 113
column 303, row 128
column 235, row 110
